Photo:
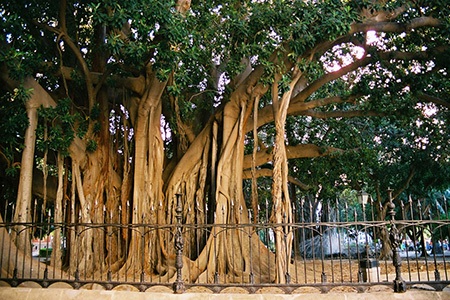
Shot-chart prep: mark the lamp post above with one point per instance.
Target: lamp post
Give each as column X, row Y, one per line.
column 363, row 198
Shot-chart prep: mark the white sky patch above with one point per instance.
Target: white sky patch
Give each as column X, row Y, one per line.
column 371, row 37
column 166, row 133
column 351, row 54
column 378, row 140
column 428, row 109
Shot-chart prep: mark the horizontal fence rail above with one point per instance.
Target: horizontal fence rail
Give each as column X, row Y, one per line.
column 351, row 249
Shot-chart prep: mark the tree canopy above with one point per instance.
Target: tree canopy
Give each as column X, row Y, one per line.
column 123, row 104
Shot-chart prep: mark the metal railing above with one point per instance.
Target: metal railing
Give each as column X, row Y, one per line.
column 351, row 249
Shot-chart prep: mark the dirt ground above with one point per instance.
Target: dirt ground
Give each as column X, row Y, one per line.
column 347, row 270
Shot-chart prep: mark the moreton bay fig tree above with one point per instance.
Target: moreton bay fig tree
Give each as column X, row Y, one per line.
column 123, row 104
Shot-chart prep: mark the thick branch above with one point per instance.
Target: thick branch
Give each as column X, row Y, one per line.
column 299, row 151
column 62, row 15
column 303, row 106
column 134, row 84
column 265, row 115
column 395, row 27
column 314, row 86
column 406, row 183
column 339, row 114
column 247, row 174
column 79, row 56
column 433, row 99
column 419, row 55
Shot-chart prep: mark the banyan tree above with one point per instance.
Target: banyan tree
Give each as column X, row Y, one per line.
column 129, row 103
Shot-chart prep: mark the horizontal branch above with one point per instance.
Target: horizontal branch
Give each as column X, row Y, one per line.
column 419, row 55
column 340, row 114
column 265, row 115
column 317, row 84
column 433, row 99
column 247, row 174
column 303, row 106
column 134, row 84
column 292, row 152
column 396, row 27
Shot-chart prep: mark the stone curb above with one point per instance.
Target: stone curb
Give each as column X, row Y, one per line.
column 68, row 294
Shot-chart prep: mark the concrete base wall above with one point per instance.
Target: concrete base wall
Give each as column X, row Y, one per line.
column 7, row 293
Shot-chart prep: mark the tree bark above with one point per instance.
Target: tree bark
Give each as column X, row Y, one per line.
column 281, row 210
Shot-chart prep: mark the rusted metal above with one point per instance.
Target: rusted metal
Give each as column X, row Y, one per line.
column 178, row 285
column 395, row 239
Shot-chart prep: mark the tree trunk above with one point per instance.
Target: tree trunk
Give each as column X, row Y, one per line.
column 22, row 213
column 148, row 206
column 57, row 253
column 11, row 257
column 386, row 249
column 38, row 98
column 282, row 210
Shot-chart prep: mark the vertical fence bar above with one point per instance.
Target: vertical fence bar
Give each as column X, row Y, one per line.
column 85, row 237
column 286, row 230
column 231, row 247
column 47, row 258
column 312, row 236
column 447, row 241
column 437, row 275
column 3, row 228
column 26, row 236
column 395, row 239
column 323, row 276
column 295, row 239
column 406, row 244
column 329, row 231
column 375, row 238
column 216, row 265
column 358, row 252
column 242, row 239
column 250, row 230
column 415, row 238
column 260, row 229
column 15, row 282
column 422, row 238
column 338, row 230
column 178, row 285
column 142, row 273
column 77, row 230
column 206, row 233
column 33, row 232
column 109, row 231
column 267, row 237
column 303, row 246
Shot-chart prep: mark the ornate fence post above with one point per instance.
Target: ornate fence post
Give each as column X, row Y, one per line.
column 178, row 285
column 395, row 239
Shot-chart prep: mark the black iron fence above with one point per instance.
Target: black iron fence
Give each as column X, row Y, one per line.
column 333, row 246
